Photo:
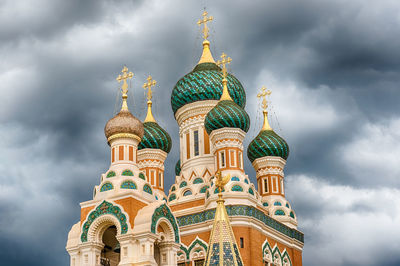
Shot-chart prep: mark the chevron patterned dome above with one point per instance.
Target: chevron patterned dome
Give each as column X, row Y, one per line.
column 227, row 114
column 267, row 143
column 178, row 167
column 204, row 83
column 155, row 137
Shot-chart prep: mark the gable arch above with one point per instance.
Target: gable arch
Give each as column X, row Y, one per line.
column 163, row 211
column 103, row 216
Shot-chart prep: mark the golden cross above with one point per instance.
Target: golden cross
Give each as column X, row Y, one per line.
column 223, row 62
column 204, row 21
column 264, row 92
column 125, row 75
column 150, row 83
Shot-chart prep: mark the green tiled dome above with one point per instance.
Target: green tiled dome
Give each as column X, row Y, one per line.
column 205, row 83
column 178, row 167
column 227, row 114
column 155, row 137
column 267, row 143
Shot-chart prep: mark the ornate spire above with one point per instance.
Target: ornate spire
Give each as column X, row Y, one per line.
column 206, row 56
column 222, row 247
column 125, row 75
column 264, row 92
column 223, row 62
column 150, row 83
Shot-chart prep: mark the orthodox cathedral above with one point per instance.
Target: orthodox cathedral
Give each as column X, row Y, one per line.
column 212, row 214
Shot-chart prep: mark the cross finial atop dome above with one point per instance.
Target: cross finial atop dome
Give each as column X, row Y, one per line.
column 264, row 92
column 204, row 22
column 223, row 62
column 147, row 85
column 124, row 88
column 206, row 57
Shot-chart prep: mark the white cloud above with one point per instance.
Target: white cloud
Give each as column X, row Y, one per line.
column 345, row 225
column 373, row 155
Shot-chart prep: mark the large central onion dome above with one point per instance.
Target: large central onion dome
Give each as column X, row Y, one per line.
column 205, row 83
column 155, row 137
column 267, row 143
column 124, row 123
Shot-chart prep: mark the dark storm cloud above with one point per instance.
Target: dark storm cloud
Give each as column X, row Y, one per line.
column 345, row 55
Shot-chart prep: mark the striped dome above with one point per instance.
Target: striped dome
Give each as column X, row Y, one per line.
column 205, row 83
column 227, row 114
column 155, row 137
column 267, row 143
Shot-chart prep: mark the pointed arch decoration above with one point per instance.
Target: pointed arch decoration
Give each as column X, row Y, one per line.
column 102, row 209
column 164, row 211
column 206, row 173
column 193, row 174
column 275, row 253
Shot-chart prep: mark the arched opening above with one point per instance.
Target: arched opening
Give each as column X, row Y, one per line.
column 110, row 255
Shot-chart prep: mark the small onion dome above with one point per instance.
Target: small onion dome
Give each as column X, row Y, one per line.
column 124, row 123
column 155, row 137
column 178, row 167
column 227, row 114
column 267, row 143
column 204, row 83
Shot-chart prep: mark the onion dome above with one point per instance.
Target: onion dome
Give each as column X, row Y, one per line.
column 205, row 83
column 155, row 137
column 226, row 113
column 124, row 124
column 178, row 167
column 267, row 143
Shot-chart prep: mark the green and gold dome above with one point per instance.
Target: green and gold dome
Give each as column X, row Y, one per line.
column 267, row 143
column 154, row 137
column 227, row 114
column 205, row 83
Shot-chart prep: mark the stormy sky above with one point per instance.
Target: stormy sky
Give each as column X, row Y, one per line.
column 333, row 67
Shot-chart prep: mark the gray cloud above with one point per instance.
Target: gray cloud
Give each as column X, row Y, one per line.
column 333, row 68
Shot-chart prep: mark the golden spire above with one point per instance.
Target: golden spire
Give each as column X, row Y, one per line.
column 206, row 56
column 264, row 92
column 222, row 233
column 223, row 62
column 150, row 83
column 125, row 75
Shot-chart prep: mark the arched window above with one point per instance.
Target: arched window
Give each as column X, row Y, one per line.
column 187, row 193
column 287, row 205
column 279, row 212
column 142, row 176
column 183, row 184
column 203, row 189
column 235, row 178
column 277, row 203
column 111, row 174
column 237, row 188
column 265, row 204
column 172, row 197
column 246, row 181
column 128, row 185
column 127, row 172
column 198, row 181
column 173, row 188
column 106, row 187
column 147, row 188
column 291, row 215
